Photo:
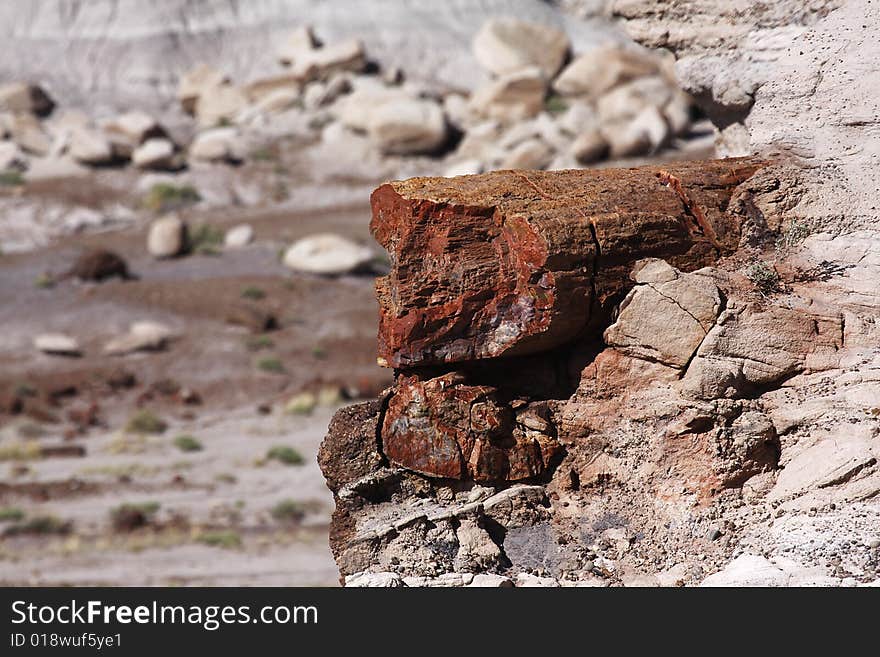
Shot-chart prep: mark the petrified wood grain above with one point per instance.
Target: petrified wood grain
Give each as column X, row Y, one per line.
column 513, row 262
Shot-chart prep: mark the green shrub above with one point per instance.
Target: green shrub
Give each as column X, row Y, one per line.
column 555, row 104
column 764, row 277
column 286, row 455
column 186, row 443
column 223, row 539
column 39, row 525
column 11, row 178
column 205, row 239
column 127, row 517
column 271, row 364
column 164, row 197
column 260, row 342
column 253, row 293
column 11, row 513
column 146, row 422
column 288, row 511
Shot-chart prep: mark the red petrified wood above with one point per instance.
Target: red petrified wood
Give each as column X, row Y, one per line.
column 511, row 262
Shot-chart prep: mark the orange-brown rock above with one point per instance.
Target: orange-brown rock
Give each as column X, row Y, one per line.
column 514, row 262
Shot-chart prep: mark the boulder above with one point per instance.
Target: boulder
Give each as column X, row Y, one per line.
column 239, row 236
column 28, row 133
column 666, row 316
column 193, row 83
column 589, row 147
column 319, row 94
column 373, row 580
column 530, row 154
column 327, row 254
column 464, row 168
column 25, row 98
column 141, row 336
column 321, row 63
column 219, row 104
column 748, row 570
column 57, row 344
column 632, row 98
column 166, row 237
column 512, row 97
column 277, row 100
column 157, row 153
column 507, row 45
column 259, row 90
column 217, row 145
column 407, row 127
column 677, row 113
column 599, row 70
column 355, row 109
column 131, row 129
column 90, row 146
column 11, row 157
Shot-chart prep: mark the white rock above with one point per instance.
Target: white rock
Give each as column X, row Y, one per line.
column 530, row 154
column 321, row 63
column 28, row 133
column 624, row 140
column 11, row 156
column 24, row 97
column 651, row 122
column 157, row 153
column 142, row 336
column 193, row 83
column 89, row 146
column 579, row 117
column 131, row 129
column 677, row 113
column 277, row 100
column 748, row 570
column 506, row 45
column 326, row 253
column 319, row 94
column 589, row 147
column 526, row 580
column 599, row 70
column 219, row 104
column 217, row 145
column 633, row 97
column 489, row 580
column 407, row 127
column 239, row 236
column 166, row 237
column 373, row 580
column 512, row 97
column 57, row 344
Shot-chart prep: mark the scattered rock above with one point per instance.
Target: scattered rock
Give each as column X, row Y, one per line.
column 11, row 157
column 599, row 70
column 490, row 580
column 631, row 99
column 327, row 253
column 589, row 147
column 90, row 146
column 98, row 265
column 373, row 580
column 321, row 63
column 28, row 133
column 219, row 104
column 217, row 145
column 748, row 570
column 166, row 237
column 407, row 127
column 464, row 168
column 157, row 153
column 129, row 130
column 512, row 97
column 238, row 236
column 506, row 45
column 530, row 154
column 141, row 336
column 193, row 83
column 22, row 97
column 57, row 344
column 298, row 44
column 527, row 580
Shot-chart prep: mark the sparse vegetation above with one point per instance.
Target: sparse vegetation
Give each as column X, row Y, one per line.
column 146, row 422
column 796, row 233
column 187, row 443
column 127, row 517
column 265, row 153
column 301, row 404
column 39, row 525
column 224, row 539
column 11, row 514
column 289, row 511
column 164, row 197
column 285, row 454
column 764, row 277
column 205, row 239
column 25, row 390
column 319, row 352
column 253, row 293
column 260, row 342
column 11, row 178
column 270, row 364
column 555, row 104
column 44, row 281
column 26, row 450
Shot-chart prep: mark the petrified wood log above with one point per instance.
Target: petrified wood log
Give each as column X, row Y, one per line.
column 512, row 262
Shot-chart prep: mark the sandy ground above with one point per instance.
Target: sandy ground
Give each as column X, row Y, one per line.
column 211, row 520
